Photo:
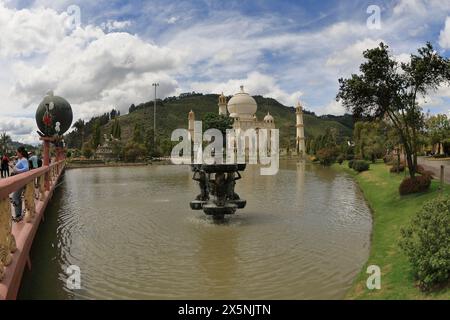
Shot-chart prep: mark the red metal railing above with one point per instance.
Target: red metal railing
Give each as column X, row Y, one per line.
column 16, row 238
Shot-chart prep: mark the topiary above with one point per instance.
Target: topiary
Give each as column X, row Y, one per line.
column 414, row 185
column 360, row 165
column 426, row 242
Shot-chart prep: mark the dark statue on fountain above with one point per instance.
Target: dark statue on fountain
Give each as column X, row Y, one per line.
column 218, row 181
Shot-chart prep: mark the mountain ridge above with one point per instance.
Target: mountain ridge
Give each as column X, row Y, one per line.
column 172, row 113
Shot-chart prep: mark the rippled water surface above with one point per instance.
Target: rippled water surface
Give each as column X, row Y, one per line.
column 304, row 234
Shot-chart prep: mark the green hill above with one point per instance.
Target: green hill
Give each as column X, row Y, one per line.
column 172, row 113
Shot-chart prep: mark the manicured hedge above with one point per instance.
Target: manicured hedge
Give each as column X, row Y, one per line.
column 414, row 185
column 360, row 165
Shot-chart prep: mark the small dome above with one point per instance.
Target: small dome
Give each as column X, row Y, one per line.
column 242, row 105
column 268, row 117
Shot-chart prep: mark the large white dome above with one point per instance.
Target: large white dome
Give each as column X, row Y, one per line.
column 242, row 105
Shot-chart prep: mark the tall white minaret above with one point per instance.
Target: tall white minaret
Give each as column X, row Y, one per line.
column 222, row 105
column 191, row 119
column 300, row 139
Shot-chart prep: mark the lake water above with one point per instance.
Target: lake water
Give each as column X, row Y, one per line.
column 304, row 234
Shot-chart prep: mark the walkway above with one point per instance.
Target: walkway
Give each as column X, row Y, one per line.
column 435, row 167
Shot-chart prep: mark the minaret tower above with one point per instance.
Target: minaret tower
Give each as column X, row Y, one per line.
column 191, row 118
column 300, row 139
column 222, row 105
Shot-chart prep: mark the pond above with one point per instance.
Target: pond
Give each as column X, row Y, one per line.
column 305, row 234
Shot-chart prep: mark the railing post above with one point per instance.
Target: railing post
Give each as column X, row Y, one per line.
column 30, row 205
column 42, row 187
column 7, row 240
column 46, row 162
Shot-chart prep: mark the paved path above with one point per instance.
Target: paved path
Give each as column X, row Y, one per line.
column 435, row 167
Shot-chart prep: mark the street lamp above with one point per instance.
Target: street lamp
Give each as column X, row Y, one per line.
column 154, row 116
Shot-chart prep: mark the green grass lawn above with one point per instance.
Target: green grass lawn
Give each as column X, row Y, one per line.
column 391, row 212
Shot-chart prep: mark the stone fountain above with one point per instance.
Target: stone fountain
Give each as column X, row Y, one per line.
column 217, row 197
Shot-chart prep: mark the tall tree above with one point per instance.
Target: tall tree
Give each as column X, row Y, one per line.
column 96, row 135
column 80, row 125
column 113, row 114
column 116, row 130
column 389, row 89
column 370, row 139
column 217, row 121
column 5, row 141
column 438, row 129
column 137, row 134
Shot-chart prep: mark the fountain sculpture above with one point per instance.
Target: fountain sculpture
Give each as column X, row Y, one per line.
column 217, row 197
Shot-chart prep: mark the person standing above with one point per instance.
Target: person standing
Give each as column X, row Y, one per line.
column 5, row 166
column 2, row 168
column 20, row 167
column 33, row 161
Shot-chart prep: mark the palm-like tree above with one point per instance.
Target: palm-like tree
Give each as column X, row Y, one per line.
column 5, row 141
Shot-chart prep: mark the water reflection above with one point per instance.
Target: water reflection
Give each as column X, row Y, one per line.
column 304, row 234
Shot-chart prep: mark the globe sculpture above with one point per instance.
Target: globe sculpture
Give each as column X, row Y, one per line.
column 217, row 197
column 54, row 116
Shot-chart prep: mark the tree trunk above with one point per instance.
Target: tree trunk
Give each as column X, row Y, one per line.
column 411, row 167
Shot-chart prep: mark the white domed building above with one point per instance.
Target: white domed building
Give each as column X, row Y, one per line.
column 242, row 108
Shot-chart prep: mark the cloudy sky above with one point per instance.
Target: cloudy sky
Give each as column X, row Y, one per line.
column 104, row 54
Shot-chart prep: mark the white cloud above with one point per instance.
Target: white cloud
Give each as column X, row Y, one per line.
column 172, row 20
column 334, row 107
column 352, row 56
column 114, row 25
column 24, row 32
column 90, row 67
column 255, row 84
column 20, row 128
column 444, row 36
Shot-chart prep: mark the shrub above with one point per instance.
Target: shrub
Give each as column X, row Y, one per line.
column 400, row 168
column 414, row 185
column 133, row 151
column 439, row 156
column 426, row 242
column 340, row 159
column 87, row 151
column 326, row 156
column 360, row 165
column 350, row 164
column 350, row 157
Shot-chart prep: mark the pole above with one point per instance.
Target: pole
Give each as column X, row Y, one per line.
column 154, row 116
column 442, row 179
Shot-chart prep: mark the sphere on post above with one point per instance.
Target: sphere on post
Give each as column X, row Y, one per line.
column 54, row 116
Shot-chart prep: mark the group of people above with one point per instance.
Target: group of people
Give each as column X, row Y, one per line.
column 23, row 162
column 6, row 164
